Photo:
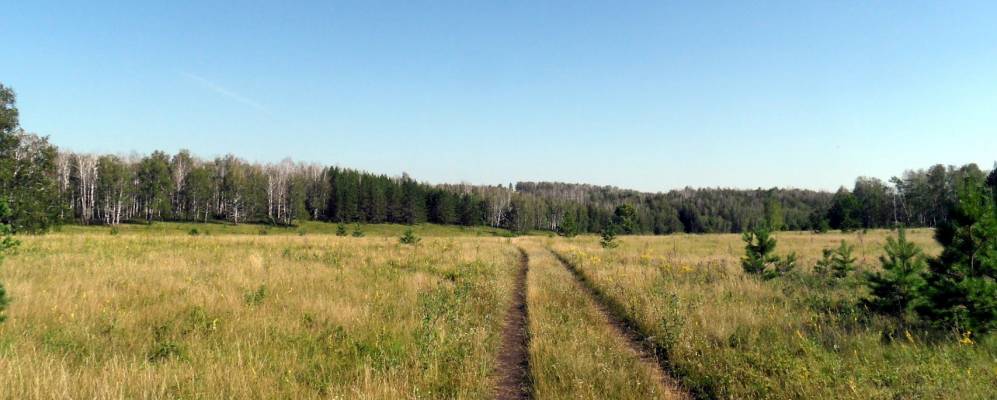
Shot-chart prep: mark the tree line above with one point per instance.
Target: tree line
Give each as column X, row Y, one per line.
column 45, row 186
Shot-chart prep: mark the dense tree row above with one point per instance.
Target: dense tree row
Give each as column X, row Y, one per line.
column 44, row 186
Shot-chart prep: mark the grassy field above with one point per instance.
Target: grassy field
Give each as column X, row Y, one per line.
column 255, row 312
column 233, row 316
column 734, row 336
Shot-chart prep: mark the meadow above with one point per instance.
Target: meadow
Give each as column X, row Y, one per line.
column 249, row 311
column 729, row 335
column 161, row 313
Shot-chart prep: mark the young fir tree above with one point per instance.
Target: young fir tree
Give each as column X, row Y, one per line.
column 842, row 261
column 758, row 249
column 609, row 238
column 895, row 289
column 340, row 229
column 356, row 230
column 409, row 237
column 823, row 266
column 961, row 289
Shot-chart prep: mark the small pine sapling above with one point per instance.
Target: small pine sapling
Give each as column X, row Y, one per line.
column 409, row 238
column 896, row 288
column 609, row 238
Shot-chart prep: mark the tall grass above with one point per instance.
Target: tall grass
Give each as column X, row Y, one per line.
column 238, row 316
column 734, row 336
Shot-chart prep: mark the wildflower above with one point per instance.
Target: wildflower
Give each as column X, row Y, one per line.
column 967, row 339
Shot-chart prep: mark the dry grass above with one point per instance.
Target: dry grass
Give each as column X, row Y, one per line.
column 734, row 336
column 157, row 316
column 158, row 313
column 574, row 353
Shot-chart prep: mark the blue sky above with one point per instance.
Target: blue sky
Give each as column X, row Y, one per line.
column 646, row 95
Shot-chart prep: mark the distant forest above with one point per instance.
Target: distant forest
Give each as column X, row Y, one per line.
column 46, row 186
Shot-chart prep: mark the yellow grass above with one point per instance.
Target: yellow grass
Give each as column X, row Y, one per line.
column 101, row 316
column 239, row 313
column 573, row 352
column 736, row 336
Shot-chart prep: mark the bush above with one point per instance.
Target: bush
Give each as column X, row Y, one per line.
column 256, row 297
column 7, row 243
column 193, row 232
column 356, row 231
column 409, row 237
column 114, row 231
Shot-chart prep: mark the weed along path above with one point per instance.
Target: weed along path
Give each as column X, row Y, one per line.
column 650, row 358
column 513, row 359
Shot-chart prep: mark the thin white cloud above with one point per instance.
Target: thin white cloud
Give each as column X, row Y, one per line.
column 214, row 87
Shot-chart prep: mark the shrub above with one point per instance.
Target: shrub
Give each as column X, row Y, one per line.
column 340, row 230
column 356, row 231
column 7, row 243
column 193, row 232
column 568, row 227
column 409, row 237
column 895, row 289
column 114, row 231
column 257, row 296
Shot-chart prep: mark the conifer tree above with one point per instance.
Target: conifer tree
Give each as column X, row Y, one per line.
column 758, row 249
column 409, row 237
column 842, row 261
column 895, row 289
column 961, row 289
column 340, row 229
column 609, row 238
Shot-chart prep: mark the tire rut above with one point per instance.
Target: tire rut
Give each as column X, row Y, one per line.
column 514, row 381
column 650, row 354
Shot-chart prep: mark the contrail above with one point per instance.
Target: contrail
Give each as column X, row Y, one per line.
column 226, row 92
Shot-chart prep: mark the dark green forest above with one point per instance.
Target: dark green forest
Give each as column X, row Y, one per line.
column 45, row 186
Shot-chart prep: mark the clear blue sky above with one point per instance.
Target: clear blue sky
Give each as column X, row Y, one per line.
column 647, row 95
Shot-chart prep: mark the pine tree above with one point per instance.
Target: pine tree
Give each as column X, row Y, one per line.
column 340, row 229
column 758, row 249
column 895, row 289
column 823, row 266
column 961, row 289
column 842, row 261
column 625, row 219
column 409, row 238
column 609, row 238
column 356, row 230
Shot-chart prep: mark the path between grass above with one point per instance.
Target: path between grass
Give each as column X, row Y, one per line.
column 642, row 346
column 514, row 359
